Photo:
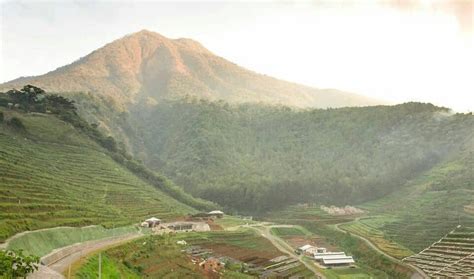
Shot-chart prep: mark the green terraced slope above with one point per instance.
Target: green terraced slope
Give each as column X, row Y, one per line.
column 428, row 207
column 53, row 175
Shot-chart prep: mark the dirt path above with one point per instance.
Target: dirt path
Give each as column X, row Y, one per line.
column 418, row 273
column 70, row 254
column 283, row 247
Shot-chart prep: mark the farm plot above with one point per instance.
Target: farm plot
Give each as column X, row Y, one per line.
column 451, row 256
column 152, row 257
column 306, row 213
column 250, row 248
column 161, row 257
column 367, row 228
column 55, row 176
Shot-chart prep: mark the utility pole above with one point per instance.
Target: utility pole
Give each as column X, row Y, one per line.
column 100, row 265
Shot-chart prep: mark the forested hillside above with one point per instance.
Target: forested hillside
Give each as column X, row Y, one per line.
column 251, row 157
column 56, row 170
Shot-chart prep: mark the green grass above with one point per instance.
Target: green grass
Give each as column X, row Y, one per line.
column 228, row 274
column 153, row 257
column 426, row 208
column 230, row 221
column 368, row 229
column 42, row 242
column 161, row 257
column 244, row 238
column 111, row 269
column 346, row 273
column 311, row 213
column 52, row 175
column 295, row 231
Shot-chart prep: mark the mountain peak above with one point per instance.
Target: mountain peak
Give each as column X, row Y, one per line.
column 145, row 34
column 147, row 65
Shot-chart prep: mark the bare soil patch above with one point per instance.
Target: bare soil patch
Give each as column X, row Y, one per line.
column 242, row 254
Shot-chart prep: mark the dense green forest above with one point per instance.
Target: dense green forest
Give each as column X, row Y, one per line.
column 254, row 157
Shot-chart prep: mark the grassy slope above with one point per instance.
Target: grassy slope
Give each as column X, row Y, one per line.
column 414, row 216
column 52, row 175
column 42, row 242
column 428, row 207
column 296, row 231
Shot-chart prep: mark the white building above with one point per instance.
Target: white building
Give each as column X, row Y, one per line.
column 320, row 256
column 302, row 249
column 347, row 260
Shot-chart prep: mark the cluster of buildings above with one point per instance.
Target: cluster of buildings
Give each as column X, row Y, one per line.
column 328, row 259
column 158, row 226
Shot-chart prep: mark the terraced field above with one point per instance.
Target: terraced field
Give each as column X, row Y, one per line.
column 430, row 206
column 306, row 213
column 367, row 229
column 451, row 256
column 161, row 257
column 52, row 175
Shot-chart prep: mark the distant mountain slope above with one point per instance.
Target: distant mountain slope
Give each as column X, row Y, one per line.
column 433, row 204
column 52, row 174
column 145, row 67
column 261, row 158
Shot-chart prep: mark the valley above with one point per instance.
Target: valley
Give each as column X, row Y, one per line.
column 151, row 128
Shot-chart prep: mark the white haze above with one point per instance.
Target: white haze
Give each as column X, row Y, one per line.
column 417, row 52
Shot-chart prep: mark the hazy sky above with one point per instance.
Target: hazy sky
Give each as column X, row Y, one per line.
column 397, row 50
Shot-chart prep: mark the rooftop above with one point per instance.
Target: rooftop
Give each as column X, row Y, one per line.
column 347, row 260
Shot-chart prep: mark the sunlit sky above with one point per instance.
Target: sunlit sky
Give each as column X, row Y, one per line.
column 396, row 51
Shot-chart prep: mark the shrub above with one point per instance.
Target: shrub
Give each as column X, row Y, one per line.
column 1, row 117
column 16, row 123
column 13, row 264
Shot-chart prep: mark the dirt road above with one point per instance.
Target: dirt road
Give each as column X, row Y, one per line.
column 68, row 255
column 283, row 247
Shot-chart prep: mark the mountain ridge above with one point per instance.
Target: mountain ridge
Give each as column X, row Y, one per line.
column 146, row 67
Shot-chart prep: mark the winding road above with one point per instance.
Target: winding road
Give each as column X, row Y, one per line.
column 417, row 274
column 73, row 253
column 283, row 247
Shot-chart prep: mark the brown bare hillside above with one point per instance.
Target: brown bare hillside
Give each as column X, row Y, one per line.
column 145, row 67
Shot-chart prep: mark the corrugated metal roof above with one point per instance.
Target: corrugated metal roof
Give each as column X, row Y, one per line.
column 305, row 247
column 319, row 256
column 346, row 260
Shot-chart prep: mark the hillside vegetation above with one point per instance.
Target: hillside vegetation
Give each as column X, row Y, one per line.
column 55, row 174
column 433, row 204
column 251, row 157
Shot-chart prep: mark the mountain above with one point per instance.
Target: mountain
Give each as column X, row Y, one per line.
column 261, row 158
column 146, row 67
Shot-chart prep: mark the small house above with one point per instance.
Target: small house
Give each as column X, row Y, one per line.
column 302, row 249
column 321, row 250
column 311, row 251
column 151, row 222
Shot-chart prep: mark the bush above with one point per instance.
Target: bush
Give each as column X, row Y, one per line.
column 1, row 117
column 13, row 264
column 16, row 123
